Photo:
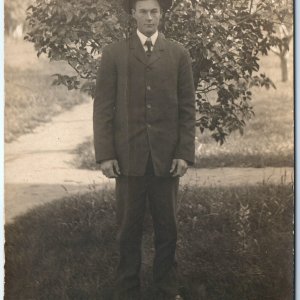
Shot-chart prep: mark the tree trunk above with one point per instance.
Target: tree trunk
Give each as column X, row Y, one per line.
column 284, row 68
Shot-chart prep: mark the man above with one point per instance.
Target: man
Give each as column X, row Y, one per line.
column 144, row 131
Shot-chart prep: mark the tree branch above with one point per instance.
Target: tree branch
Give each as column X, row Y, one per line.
column 275, row 52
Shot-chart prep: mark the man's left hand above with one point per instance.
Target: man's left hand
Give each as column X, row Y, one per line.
column 178, row 168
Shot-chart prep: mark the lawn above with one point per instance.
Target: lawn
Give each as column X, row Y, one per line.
column 30, row 99
column 234, row 243
column 268, row 140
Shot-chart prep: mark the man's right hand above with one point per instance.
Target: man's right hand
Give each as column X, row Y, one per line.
column 110, row 168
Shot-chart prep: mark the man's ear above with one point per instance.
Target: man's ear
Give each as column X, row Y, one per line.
column 161, row 12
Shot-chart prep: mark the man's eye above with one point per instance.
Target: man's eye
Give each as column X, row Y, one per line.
column 153, row 12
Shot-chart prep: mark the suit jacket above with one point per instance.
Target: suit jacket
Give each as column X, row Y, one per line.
column 144, row 105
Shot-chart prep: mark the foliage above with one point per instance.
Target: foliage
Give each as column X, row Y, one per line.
column 233, row 243
column 225, row 39
column 280, row 11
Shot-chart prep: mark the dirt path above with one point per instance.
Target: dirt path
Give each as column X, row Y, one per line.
column 39, row 168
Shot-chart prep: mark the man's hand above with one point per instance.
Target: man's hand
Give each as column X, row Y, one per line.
column 178, row 168
column 110, row 168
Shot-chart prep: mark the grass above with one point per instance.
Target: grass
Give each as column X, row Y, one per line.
column 30, row 100
column 85, row 155
column 268, row 140
column 234, row 243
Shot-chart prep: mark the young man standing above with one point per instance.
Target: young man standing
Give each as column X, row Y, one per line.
column 144, row 131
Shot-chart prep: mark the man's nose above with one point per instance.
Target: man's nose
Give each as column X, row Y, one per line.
column 149, row 16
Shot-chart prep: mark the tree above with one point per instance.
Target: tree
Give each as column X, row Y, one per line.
column 224, row 37
column 14, row 14
column 281, row 13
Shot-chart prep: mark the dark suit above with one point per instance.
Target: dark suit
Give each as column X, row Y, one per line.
column 144, row 116
column 144, row 105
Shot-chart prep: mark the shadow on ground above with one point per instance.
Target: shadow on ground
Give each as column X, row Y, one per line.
column 21, row 197
column 229, row 244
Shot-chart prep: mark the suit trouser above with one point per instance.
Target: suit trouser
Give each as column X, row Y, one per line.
column 132, row 194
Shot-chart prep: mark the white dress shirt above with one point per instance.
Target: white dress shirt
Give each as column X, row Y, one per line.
column 143, row 39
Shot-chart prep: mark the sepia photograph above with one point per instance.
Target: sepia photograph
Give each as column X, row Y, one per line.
column 149, row 150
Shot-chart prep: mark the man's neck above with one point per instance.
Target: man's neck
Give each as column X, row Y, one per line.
column 143, row 37
column 147, row 36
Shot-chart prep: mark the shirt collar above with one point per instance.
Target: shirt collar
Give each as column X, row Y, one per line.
column 143, row 38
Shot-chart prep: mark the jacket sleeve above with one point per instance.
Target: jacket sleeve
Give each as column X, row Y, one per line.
column 186, row 101
column 104, row 103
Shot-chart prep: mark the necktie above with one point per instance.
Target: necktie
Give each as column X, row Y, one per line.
column 149, row 45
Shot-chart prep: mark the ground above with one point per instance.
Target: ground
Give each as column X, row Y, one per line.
column 234, row 222
column 39, row 166
column 41, row 159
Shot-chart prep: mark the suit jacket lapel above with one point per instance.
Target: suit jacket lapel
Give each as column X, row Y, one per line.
column 139, row 52
column 158, row 49
column 137, row 49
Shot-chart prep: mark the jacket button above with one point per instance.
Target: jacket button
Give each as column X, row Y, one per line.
column 148, row 88
column 149, row 106
column 149, row 125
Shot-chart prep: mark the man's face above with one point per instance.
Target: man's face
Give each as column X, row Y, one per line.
column 147, row 15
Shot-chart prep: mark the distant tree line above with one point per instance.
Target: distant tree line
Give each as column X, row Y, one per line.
column 15, row 16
